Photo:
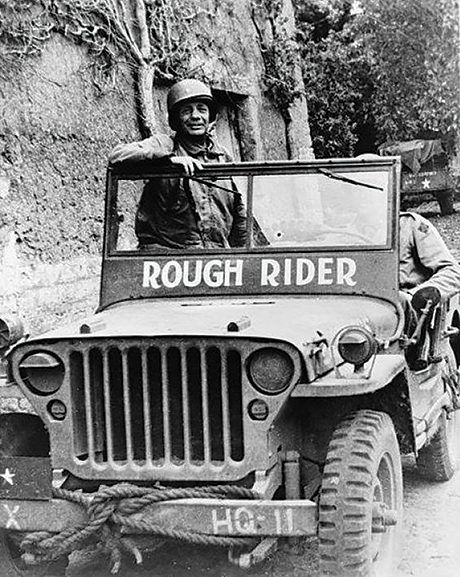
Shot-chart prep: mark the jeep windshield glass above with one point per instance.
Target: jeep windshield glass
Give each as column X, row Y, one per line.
column 298, row 210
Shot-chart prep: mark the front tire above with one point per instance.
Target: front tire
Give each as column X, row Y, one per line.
column 437, row 460
column 360, row 508
column 11, row 563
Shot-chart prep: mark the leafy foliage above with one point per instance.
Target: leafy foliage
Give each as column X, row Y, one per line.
column 415, row 51
column 280, row 55
column 336, row 75
column 388, row 71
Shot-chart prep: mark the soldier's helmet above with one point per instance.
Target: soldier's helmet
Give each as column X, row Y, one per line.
column 184, row 91
column 368, row 156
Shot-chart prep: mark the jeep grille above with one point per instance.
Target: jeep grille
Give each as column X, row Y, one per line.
column 172, row 403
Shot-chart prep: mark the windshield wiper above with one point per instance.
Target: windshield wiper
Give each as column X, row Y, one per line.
column 211, row 183
column 330, row 174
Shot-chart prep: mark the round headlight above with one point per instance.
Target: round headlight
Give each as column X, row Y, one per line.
column 270, row 370
column 42, row 372
column 11, row 330
column 356, row 345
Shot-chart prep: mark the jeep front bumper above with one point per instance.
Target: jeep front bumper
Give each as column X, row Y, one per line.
column 213, row 517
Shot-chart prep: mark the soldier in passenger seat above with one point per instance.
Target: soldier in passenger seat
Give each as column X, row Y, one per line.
column 428, row 273
column 426, row 265
column 427, row 269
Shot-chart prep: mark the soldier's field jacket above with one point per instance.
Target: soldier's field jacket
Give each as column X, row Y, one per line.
column 424, row 258
column 181, row 212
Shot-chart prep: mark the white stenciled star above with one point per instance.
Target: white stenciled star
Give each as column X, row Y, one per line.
column 8, row 476
column 425, row 183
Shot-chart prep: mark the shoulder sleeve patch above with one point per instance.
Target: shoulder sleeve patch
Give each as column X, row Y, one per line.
column 423, row 228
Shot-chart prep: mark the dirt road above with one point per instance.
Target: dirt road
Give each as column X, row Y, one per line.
column 431, row 538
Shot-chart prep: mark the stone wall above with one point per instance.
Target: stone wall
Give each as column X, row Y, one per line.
column 55, row 133
column 57, row 126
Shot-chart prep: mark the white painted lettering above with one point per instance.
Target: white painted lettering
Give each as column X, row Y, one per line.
column 279, row 524
column 290, row 521
column 325, row 270
column 213, row 278
column 233, row 268
column 171, row 275
column 244, row 521
column 230, row 272
column 346, row 268
column 301, row 278
column 198, row 273
column 269, row 272
column 218, row 523
column 287, row 271
column 12, row 522
column 151, row 272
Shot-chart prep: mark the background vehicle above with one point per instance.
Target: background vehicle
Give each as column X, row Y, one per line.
column 425, row 173
column 236, row 396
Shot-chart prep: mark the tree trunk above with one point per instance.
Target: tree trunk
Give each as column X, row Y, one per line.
column 146, row 112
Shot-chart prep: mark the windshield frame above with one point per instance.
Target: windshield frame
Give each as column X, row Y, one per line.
column 114, row 260
column 149, row 169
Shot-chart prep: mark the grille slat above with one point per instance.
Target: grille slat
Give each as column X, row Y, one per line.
column 88, row 406
column 185, row 404
column 107, row 405
column 174, row 403
column 147, row 413
column 205, row 409
column 225, row 412
column 165, row 405
column 127, row 405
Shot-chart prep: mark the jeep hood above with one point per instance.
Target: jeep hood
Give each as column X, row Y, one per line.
column 298, row 320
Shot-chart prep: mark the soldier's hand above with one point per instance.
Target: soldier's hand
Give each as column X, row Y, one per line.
column 423, row 295
column 188, row 164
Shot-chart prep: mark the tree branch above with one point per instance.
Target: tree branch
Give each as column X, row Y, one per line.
column 141, row 16
column 122, row 28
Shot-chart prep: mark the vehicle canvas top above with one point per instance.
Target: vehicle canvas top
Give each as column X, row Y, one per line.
column 317, row 227
column 415, row 153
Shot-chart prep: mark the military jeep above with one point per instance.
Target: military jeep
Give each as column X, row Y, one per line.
column 425, row 173
column 236, row 396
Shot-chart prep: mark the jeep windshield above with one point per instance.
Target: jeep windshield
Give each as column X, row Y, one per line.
column 305, row 227
column 303, row 208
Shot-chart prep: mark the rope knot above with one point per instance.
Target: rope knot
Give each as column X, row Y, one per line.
column 110, row 516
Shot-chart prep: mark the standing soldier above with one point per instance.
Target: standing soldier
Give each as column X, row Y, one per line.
column 181, row 212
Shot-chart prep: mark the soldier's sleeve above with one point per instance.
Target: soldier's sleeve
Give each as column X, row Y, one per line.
column 158, row 146
column 437, row 259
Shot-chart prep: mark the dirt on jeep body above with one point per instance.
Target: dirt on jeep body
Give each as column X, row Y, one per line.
column 429, row 544
column 431, row 526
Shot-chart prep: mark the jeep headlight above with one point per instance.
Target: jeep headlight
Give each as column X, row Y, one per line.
column 356, row 345
column 42, row 372
column 270, row 370
column 11, row 330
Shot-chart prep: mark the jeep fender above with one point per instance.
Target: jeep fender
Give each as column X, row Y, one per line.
column 386, row 389
column 348, row 383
